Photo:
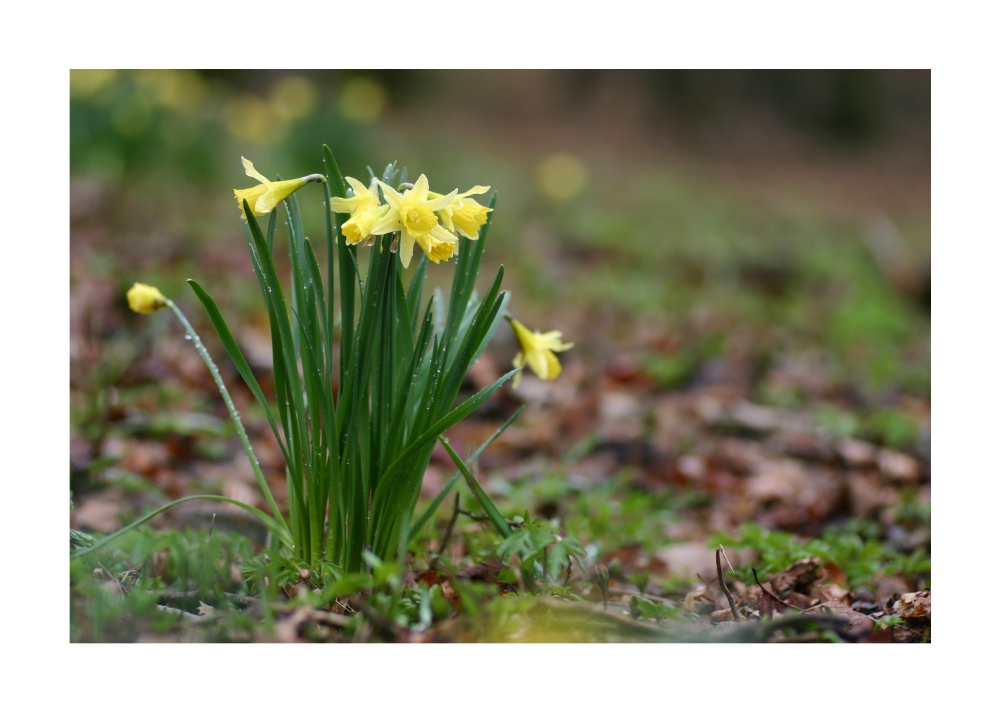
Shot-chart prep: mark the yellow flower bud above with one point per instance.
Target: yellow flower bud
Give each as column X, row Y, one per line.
column 145, row 299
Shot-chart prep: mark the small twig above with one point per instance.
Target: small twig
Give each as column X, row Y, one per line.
column 603, row 578
column 763, row 631
column 128, row 577
column 473, row 516
column 722, row 583
column 727, row 560
column 650, row 597
column 451, row 526
column 179, row 612
column 772, row 602
column 112, row 578
column 193, row 598
column 339, row 620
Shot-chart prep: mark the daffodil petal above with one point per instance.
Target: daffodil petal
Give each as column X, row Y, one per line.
column 250, row 195
column 420, row 188
column 253, row 172
column 357, row 186
column 392, row 196
column 405, row 249
column 439, row 203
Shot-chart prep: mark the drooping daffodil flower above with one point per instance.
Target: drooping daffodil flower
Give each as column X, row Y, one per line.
column 537, row 351
column 145, row 299
column 262, row 199
column 364, row 208
column 413, row 214
column 464, row 215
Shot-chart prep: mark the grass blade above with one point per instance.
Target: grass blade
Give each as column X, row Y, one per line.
column 498, row 520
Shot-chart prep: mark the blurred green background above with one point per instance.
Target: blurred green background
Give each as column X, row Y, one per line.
column 793, row 204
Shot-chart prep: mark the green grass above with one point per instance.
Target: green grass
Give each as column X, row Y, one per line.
column 855, row 547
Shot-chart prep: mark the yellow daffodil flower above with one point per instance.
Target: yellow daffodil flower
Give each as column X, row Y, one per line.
column 262, row 199
column 464, row 215
column 145, row 299
column 413, row 215
column 537, row 351
column 438, row 250
column 364, row 209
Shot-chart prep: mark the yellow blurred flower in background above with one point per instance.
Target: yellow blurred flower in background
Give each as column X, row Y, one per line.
column 562, row 176
column 362, row 100
column 145, row 299
column 294, row 97
column 88, row 83
column 537, row 351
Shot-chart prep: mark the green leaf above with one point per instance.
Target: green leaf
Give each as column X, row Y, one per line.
column 347, row 265
column 498, row 520
column 396, row 495
column 236, row 355
column 439, row 498
column 277, row 530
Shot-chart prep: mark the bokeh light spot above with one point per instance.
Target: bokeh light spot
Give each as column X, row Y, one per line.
column 250, row 118
column 362, row 99
column 86, row 83
column 562, row 176
column 293, row 97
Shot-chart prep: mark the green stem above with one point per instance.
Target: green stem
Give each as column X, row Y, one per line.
column 233, row 413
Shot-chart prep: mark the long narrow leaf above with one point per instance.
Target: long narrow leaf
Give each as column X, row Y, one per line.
column 439, row 498
column 498, row 520
column 269, row 522
column 236, row 355
column 448, row 420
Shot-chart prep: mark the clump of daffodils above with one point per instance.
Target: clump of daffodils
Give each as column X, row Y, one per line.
column 537, row 351
column 355, row 458
column 431, row 220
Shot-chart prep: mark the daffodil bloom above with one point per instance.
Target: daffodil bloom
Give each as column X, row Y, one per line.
column 537, row 351
column 262, row 199
column 413, row 214
column 364, row 209
column 438, row 250
column 464, row 215
column 145, row 299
